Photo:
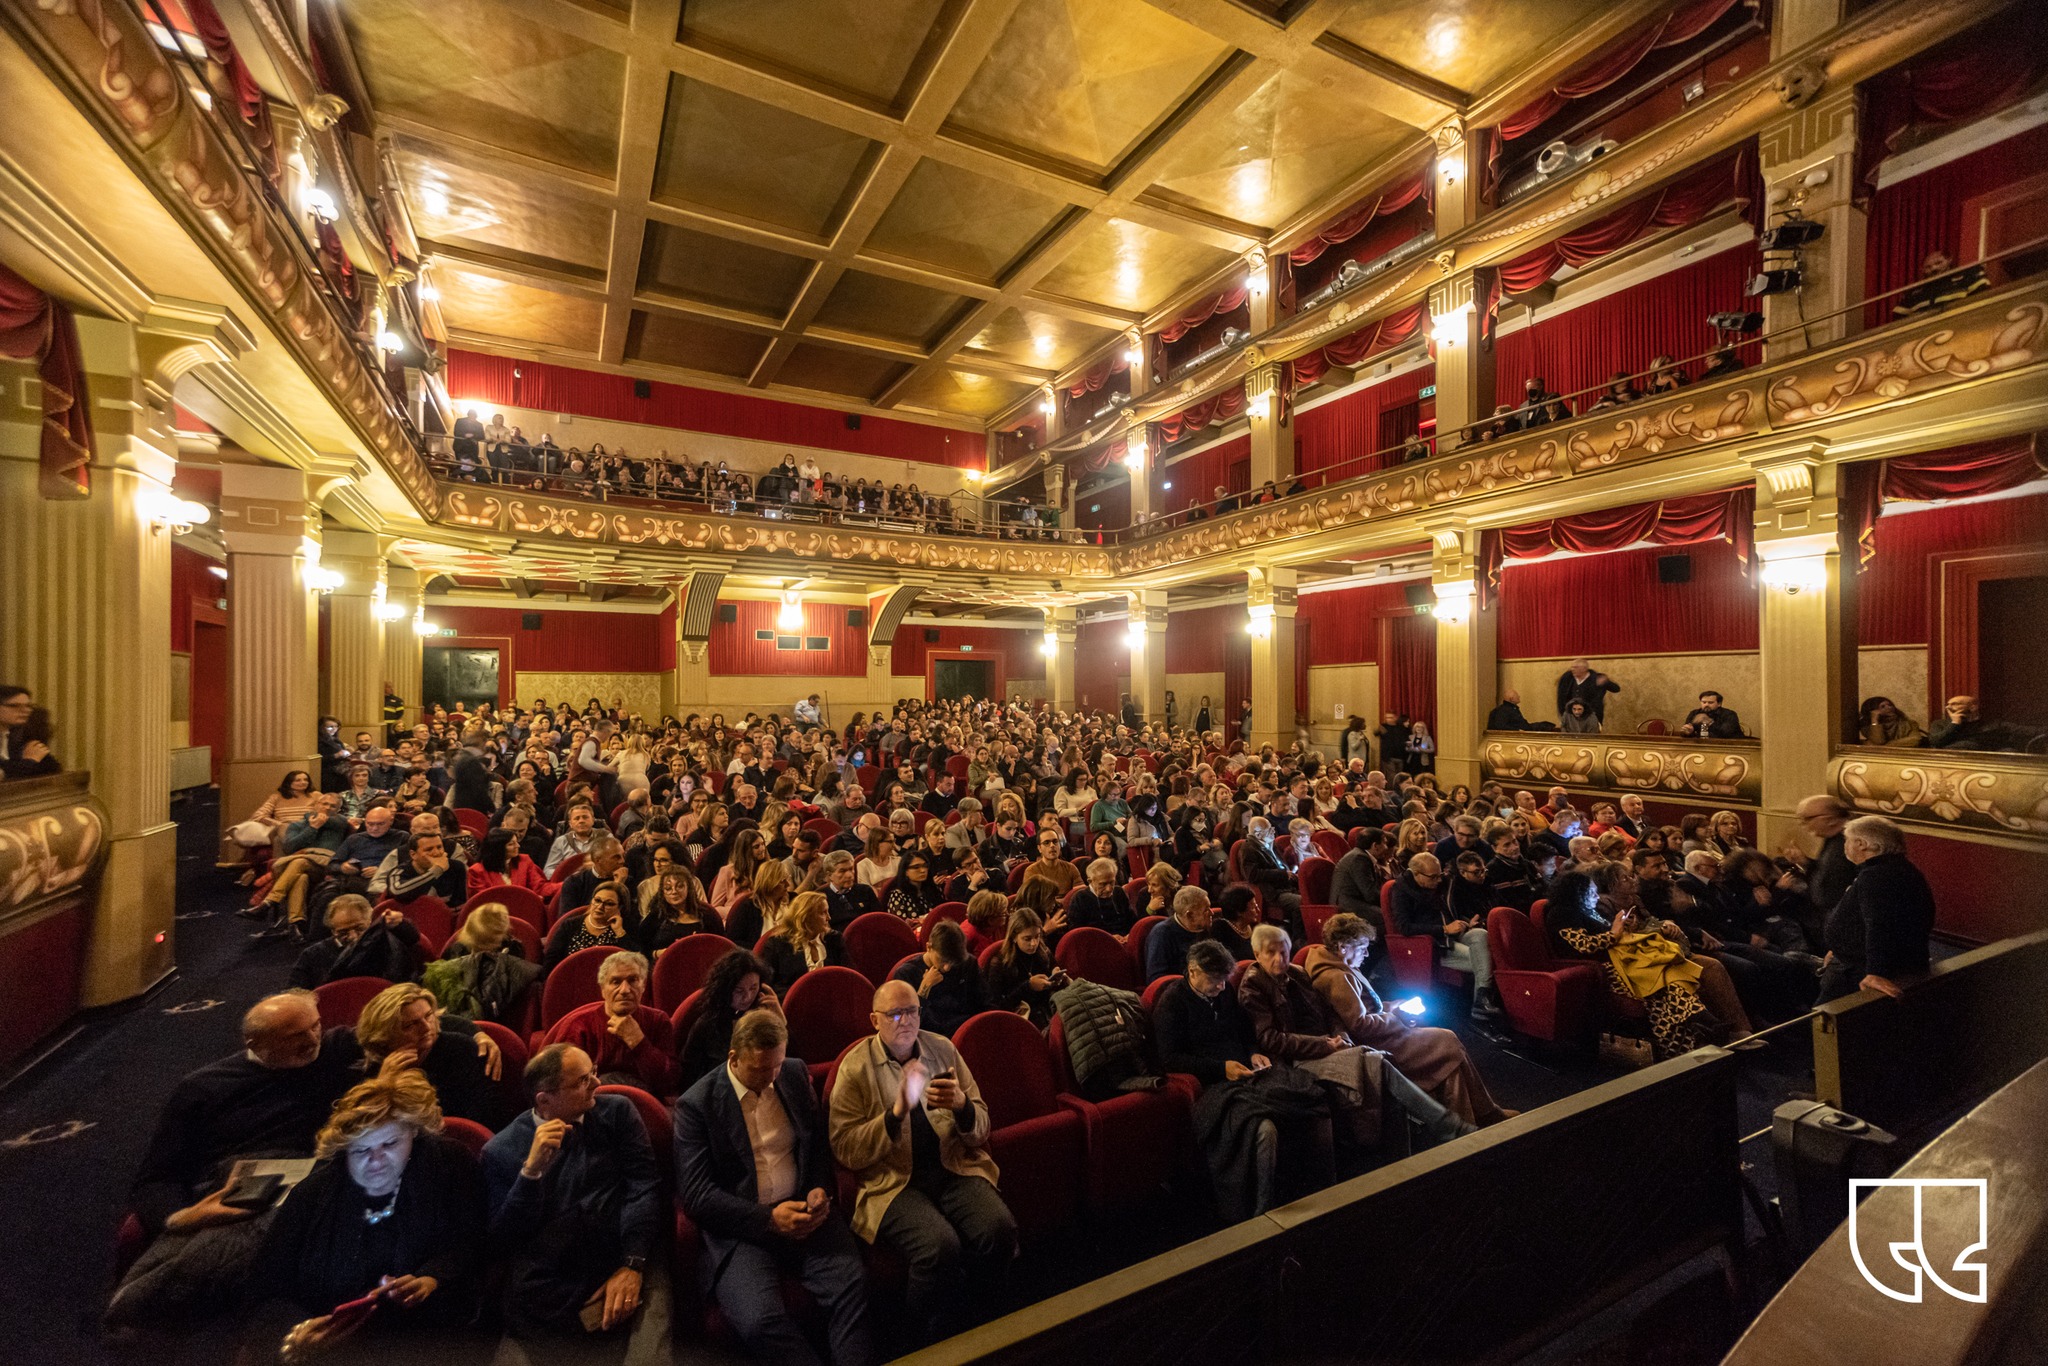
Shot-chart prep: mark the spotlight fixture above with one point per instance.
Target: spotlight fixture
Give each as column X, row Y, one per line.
column 1792, row 234
column 1785, row 281
column 1736, row 322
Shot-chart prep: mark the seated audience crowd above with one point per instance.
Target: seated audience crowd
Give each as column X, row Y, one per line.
column 539, row 1040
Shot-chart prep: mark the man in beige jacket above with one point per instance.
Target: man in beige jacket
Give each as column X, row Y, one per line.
column 909, row 1122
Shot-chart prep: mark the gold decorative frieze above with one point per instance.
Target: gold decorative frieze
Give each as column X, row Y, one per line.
column 2004, row 793
column 1895, row 367
column 52, row 831
column 1722, row 771
column 571, row 521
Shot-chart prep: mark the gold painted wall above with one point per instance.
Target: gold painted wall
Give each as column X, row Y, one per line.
column 1666, row 686
column 1357, row 686
column 1188, row 689
column 641, row 691
column 1898, row 672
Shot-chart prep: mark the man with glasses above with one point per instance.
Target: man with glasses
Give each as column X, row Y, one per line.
column 1421, row 908
column 360, row 942
column 909, row 1122
column 574, row 1203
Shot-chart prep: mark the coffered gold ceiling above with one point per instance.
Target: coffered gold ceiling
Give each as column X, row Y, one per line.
column 928, row 205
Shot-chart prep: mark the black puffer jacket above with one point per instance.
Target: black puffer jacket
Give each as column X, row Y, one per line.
column 1108, row 1042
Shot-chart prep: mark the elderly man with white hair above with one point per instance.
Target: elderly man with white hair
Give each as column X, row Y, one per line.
column 1877, row 933
column 631, row 1043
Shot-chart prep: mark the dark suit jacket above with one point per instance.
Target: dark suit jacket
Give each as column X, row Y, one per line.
column 715, row 1182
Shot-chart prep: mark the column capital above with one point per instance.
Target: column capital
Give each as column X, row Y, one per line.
column 266, row 510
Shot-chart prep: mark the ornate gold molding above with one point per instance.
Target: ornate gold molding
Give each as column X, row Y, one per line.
column 52, row 833
column 2003, row 793
column 1728, row 772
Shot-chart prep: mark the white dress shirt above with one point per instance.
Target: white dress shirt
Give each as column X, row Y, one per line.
column 773, row 1139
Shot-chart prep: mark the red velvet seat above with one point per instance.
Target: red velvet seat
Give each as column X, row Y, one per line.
column 1038, row 1139
column 1313, row 918
column 517, row 901
column 1138, row 858
column 1544, row 998
column 1413, row 956
column 572, row 984
column 1609, row 1006
column 682, row 967
column 955, row 911
column 1331, row 844
column 510, row 1086
column 1137, row 1141
column 470, row 1134
column 876, row 943
column 473, row 822
column 654, row 1118
column 1135, row 943
column 825, row 827
column 1314, row 879
column 684, row 1017
column 341, row 1001
column 827, row 1008
column 1085, row 951
column 430, row 916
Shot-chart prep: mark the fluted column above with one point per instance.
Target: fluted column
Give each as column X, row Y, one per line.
column 1467, row 656
column 86, row 627
column 1272, row 424
column 1147, row 630
column 272, row 531
column 1270, row 605
column 1808, row 162
column 1060, row 629
column 1464, row 364
column 353, row 682
column 402, row 651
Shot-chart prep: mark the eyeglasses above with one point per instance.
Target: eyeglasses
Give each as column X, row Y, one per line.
column 903, row 1016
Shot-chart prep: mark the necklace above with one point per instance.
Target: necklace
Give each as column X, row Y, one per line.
column 378, row 1216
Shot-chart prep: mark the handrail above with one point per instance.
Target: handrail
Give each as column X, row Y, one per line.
column 1322, row 478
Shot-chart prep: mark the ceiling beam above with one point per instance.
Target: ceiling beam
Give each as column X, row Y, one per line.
column 640, row 125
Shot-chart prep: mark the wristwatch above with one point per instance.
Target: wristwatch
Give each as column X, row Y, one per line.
column 636, row 1265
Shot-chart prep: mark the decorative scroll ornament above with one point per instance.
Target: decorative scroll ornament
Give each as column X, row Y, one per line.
column 1722, row 773
column 45, row 852
column 1985, row 792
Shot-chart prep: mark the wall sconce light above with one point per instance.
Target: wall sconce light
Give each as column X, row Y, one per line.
column 322, row 580
column 1134, row 348
column 1045, row 404
column 1050, row 646
column 1448, row 329
column 1260, row 407
column 420, row 625
column 1135, row 451
column 1453, row 602
column 1797, row 574
column 1259, row 621
column 1447, row 170
column 390, row 611
column 429, row 294
column 1134, row 634
column 789, row 618
column 390, row 341
column 1255, row 272
column 176, row 515
column 319, row 203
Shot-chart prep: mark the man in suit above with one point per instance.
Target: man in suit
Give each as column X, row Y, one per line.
column 754, row 1171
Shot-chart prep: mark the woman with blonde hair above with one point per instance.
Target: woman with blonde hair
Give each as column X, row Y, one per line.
column 804, row 940
column 393, row 1209
column 1162, row 881
column 483, row 973
column 402, row 1029
column 633, row 760
column 761, row 910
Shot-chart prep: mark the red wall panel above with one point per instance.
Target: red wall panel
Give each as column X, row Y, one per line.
column 1195, row 479
column 1197, row 641
column 1022, row 652
column 1624, row 331
column 567, row 642
column 665, row 639
column 735, row 650
column 1982, row 892
column 1347, row 428
column 190, row 582
column 1613, row 605
column 1343, row 627
column 1102, row 654
column 563, row 389
column 1891, row 601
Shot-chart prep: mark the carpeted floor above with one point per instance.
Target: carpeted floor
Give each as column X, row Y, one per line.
column 73, row 1126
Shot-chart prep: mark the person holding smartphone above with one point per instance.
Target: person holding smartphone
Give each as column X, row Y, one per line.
column 754, row 1172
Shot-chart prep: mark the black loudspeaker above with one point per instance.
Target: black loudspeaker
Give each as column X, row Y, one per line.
column 1419, row 594
column 529, row 621
column 728, row 612
column 931, row 635
column 1674, row 569
column 642, row 389
column 853, row 422
column 856, row 618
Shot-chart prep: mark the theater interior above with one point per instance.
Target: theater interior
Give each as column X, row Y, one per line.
column 1265, row 410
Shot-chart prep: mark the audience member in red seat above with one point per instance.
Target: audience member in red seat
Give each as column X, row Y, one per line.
column 309, row 843
column 914, row 892
column 1237, row 911
column 762, row 908
column 425, row 868
column 500, row 863
column 360, row 942
column 402, row 1026
column 1711, row 721
column 754, row 1172
column 1618, row 393
column 1434, row 1059
column 483, row 973
column 1421, row 907
column 1162, row 884
column 1511, row 879
column 631, row 1044
column 1666, row 377
column 1166, row 948
column 1262, row 868
column 1049, row 865
column 909, row 1122
column 847, row 898
column 601, row 925
column 987, row 921
column 1204, row 1032
column 1294, row 1023
column 529, row 837
column 749, row 850
column 804, row 940
column 1102, row 902
column 736, row 984
column 575, row 840
column 393, row 1210
column 1580, row 681
column 946, row 978
column 678, row 912
column 604, row 862
column 1022, row 976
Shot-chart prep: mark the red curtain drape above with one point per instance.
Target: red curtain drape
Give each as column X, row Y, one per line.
column 1097, row 375
column 1980, row 70
column 1892, row 606
column 1578, row 348
column 254, row 109
column 1225, row 302
column 736, row 649
column 1237, row 682
column 1626, row 54
column 1360, row 216
column 567, row 642
column 1345, row 624
column 34, row 326
column 1221, row 408
column 1194, row 479
column 1614, row 604
column 1725, row 515
column 1396, row 329
column 1196, row 640
column 1959, row 472
column 1408, row 672
column 1347, row 428
column 1682, row 203
column 1924, row 213
column 475, row 379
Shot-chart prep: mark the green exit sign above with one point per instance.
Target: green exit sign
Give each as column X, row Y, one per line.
column 1428, row 391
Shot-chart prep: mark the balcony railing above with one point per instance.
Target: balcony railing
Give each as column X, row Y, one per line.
column 1727, row 772
column 1954, row 789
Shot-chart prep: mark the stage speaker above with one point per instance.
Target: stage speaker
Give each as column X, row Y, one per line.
column 1674, row 569
column 931, row 635
column 1419, row 594
column 856, row 618
column 853, row 422
column 728, row 612
column 642, row 389
column 529, row 621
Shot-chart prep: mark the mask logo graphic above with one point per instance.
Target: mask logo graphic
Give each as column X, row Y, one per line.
column 1912, row 1254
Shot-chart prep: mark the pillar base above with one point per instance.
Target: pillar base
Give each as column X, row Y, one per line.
column 130, row 946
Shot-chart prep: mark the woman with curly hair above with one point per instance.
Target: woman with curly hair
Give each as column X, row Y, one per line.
column 736, row 984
